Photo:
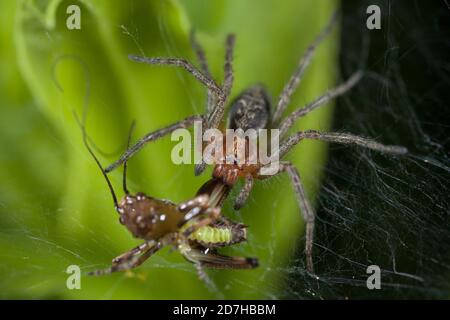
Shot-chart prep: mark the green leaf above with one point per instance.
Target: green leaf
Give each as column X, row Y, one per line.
column 55, row 207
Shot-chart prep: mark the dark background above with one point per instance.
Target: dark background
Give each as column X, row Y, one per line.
column 388, row 211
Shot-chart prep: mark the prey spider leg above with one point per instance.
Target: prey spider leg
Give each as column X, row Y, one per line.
column 135, row 251
column 214, row 260
column 130, row 259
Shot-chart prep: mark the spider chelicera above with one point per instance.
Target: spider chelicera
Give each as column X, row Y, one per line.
column 195, row 228
column 252, row 110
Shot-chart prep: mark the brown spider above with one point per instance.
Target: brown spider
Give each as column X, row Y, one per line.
column 252, row 110
column 195, row 228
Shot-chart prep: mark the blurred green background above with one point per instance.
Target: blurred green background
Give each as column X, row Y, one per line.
column 55, row 208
